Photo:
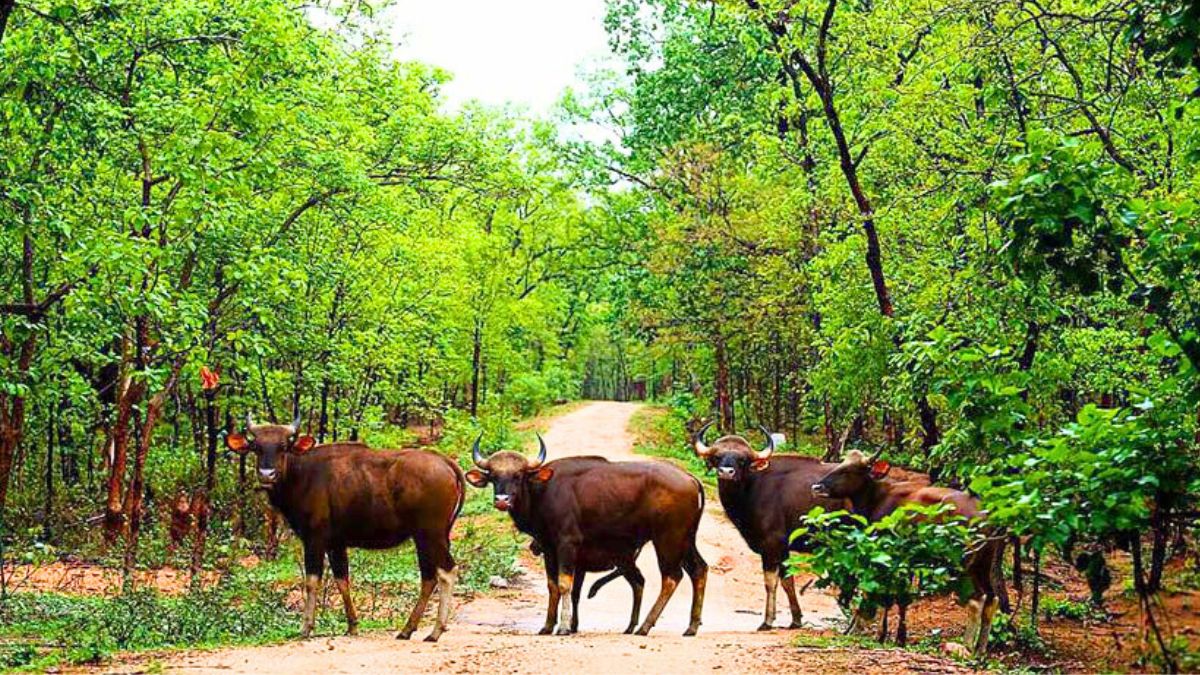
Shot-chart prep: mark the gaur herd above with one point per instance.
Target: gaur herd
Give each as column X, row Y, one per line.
column 584, row 514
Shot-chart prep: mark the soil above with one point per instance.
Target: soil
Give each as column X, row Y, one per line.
column 84, row 578
column 495, row 632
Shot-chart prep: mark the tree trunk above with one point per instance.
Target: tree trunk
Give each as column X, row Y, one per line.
column 1144, row 593
column 137, row 485
column 210, row 484
column 794, row 62
column 1158, row 550
column 1036, row 596
column 48, row 508
column 114, row 514
column 724, row 402
column 476, row 364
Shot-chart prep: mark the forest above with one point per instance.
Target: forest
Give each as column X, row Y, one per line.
column 965, row 235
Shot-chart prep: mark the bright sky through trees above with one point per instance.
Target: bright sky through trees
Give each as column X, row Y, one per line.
column 519, row 51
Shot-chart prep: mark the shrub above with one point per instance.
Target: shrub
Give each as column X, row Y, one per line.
column 915, row 551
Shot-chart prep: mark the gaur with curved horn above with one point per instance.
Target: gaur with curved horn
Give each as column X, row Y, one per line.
column 766, row 452
column 702, row 449
column 346, row 495
column 628, row 504
column 765, row 495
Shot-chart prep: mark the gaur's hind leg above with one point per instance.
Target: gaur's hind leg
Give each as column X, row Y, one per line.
column 437, row 569
column 637, row 582
column 789, row 587
column 447, row 575
column 576, row 591
column 339, row 564
column 670, row 563
column 990, row 604
column 314, row 567
column 697, row 571
column 428, row 581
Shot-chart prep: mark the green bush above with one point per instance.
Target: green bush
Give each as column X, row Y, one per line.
column 528, row 394
column 915, row 551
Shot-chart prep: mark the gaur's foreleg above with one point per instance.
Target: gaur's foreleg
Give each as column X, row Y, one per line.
column 314, row 567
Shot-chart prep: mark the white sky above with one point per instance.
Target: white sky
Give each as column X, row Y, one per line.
column 501, row 51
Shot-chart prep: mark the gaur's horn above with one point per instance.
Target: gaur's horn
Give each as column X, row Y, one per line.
column 766, row 452
column 476, row 455
column 541, row 452
column 698, row 444
column 296, row 422
column 249, row 420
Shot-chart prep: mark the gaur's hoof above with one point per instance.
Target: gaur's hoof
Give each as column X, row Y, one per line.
column 432, row 637
column 546, row 630
column 643, row 631
column 629, row 631
column 563, row 631
column 351, row 630
column 766, row 626
column 795, row 624
column 404, row 634
column 689, row 632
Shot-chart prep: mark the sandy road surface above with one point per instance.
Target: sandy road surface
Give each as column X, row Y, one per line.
column 494, row 634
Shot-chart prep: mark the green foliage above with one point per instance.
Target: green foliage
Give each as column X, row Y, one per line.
column 1056, row 608
column 1013, row 633
column 1098, row 477
column 913, row 552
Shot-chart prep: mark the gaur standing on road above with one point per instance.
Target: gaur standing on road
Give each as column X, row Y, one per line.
column 346, row 495
column 589, row 514
column 765, row 495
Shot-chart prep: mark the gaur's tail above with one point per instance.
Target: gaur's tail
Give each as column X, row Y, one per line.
column 603, row 580
column 460, row 482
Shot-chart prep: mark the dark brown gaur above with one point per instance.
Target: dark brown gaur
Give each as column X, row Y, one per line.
column 588, row 514
column 864, row 481
column 765, row 495
column 346, row 495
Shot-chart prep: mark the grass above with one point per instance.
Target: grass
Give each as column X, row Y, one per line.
column 836, row 641
column 261, row 603
column 247, row 606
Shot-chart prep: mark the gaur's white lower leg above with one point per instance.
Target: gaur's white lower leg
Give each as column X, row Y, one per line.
column 566, row 582
column 312, row 586
column 974, row 623
column 414, row 619
column 445, row 585
column 771, row 581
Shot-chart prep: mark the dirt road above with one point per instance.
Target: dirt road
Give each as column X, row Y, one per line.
column 494, row 634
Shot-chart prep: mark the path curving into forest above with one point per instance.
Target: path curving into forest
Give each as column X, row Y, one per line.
column 495, row 633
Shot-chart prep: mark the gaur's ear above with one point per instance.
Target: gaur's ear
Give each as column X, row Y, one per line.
column 542, row 475
column 303, row 444
column 880, row 469
column 237, row 443
column 760, row 465
column 477, row 478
